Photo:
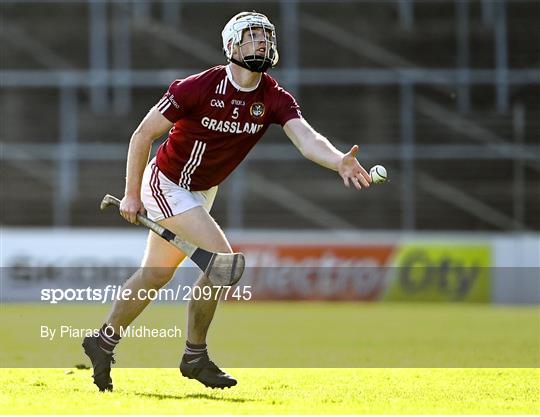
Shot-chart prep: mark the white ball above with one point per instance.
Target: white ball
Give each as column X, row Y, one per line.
column 378, row 174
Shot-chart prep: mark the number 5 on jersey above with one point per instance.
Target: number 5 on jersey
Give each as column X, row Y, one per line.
column 235, row 113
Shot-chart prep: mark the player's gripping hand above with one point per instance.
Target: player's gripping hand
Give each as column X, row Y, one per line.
column 351, row 171
column 130, row 206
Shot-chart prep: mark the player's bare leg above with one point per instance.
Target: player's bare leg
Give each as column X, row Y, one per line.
column 201, row 312
column 158, row 266
column 198, row 227
column 159, row 263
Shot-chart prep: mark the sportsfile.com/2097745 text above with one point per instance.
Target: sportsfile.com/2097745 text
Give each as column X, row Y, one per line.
column 116, row 292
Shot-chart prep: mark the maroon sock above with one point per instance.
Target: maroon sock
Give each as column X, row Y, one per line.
column 108, row 339
column 194, row 352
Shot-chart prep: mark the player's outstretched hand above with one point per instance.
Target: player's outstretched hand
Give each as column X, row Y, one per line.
column 351, row 171
column 129, row 207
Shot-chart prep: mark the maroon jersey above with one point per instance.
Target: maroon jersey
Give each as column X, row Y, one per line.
column 216, row 123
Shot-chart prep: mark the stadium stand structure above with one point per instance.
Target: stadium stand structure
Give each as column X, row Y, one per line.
column 276, row 188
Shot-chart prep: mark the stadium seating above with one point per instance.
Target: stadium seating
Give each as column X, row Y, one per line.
column 365, row 114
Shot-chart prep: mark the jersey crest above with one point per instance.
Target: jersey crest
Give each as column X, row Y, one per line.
column 257, row 109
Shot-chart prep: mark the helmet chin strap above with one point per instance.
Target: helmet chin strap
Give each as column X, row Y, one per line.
column 253, row 63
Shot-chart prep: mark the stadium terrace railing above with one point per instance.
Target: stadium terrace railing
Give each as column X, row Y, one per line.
column 118, row 76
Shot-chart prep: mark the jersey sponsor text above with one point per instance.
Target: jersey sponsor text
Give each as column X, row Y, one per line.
column 226, row 126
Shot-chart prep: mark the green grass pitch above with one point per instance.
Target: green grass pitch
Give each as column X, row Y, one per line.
column 403, row 359
column 276, row 391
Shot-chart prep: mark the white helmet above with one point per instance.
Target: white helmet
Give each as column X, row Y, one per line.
column 232, row 35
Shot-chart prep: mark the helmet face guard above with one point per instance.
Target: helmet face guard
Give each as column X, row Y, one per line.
column 240, row 31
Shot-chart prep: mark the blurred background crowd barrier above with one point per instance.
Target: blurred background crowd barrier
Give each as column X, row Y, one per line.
column 444, row 93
